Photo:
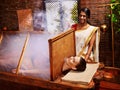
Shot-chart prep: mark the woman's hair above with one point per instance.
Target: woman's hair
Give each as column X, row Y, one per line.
column 82, row 65
column 86, row 10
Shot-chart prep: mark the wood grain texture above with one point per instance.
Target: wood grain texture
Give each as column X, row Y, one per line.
column 60, row 47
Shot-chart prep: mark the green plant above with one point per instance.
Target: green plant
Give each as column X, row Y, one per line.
column 74, row 13
column 115, row 14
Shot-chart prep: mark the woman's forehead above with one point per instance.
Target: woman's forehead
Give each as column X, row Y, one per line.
column 77, row 59
column 82, row 13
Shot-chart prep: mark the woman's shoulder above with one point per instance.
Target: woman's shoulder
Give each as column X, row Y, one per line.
column 94, row 27
column 74, row 26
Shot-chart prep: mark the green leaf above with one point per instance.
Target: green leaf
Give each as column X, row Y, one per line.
column 112, row 1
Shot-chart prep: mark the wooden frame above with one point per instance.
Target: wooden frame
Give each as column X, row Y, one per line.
column 60, row 47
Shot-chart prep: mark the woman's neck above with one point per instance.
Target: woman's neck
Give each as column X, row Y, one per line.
column 65, row 67
column 83, row 26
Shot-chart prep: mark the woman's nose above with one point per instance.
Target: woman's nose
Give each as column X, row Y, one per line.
column 81, row 17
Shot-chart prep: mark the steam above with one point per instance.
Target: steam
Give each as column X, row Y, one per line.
column 39, row 20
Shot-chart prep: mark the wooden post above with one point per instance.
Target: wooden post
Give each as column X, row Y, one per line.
column 22, row 53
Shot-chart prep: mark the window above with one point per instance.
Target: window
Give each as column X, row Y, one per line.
column 58, row 15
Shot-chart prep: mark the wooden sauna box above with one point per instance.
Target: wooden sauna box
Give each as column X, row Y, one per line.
column 60, row 46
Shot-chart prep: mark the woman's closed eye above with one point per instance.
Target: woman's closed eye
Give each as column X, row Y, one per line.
column 70, row 62
column 73, row 62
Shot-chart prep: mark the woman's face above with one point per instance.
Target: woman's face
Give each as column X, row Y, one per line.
column 73, row 62
column 82, row 17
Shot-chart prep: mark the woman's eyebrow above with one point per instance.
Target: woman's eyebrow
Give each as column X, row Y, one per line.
column 83, row 15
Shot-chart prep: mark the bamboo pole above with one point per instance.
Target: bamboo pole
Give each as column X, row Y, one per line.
column 112, row 29
column 1, row 37
column 113, row 50
column 22, row 53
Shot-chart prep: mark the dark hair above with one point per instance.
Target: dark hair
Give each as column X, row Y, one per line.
column 86, row 10
column 82, row 65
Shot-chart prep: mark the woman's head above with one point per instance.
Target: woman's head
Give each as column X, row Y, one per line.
column 86, row 11
column 84, row 15
column 81, row 66
column 76, row 63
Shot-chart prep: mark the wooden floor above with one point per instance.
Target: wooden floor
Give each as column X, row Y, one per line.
column 109, row 86
column 112, row 80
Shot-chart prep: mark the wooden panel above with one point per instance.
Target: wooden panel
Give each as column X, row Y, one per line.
column 13, row 82
column 60, row 47
column 25, row 20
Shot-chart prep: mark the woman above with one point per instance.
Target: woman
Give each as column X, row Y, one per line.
column 87, row 37
column 74, row 63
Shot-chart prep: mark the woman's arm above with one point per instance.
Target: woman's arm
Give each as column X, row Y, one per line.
column 91, row 43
